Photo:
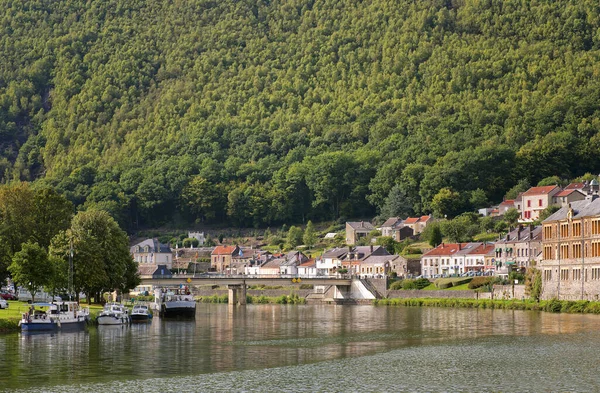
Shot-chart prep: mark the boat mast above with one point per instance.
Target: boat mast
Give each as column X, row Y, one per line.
column 70, row 269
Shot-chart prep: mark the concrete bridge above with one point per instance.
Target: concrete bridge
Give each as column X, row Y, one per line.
column 338, row 288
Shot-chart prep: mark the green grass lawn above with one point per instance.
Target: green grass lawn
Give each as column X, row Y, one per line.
column 412, row 256
column 486, row 237
column 463, row 287
column 16, row 308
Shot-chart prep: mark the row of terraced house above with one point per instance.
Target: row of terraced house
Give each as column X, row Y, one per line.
column 565, row 248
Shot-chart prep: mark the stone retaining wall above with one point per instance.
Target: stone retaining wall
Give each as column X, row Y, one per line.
column 256, row 292
column 441, row 294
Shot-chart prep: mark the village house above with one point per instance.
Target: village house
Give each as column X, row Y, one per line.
column 566, row 196
column 417, row 224
column 331, row 261
column 346, row 258
column 401, row 233
column 391, row 224
column 376, row 266
column 535, row 200
column 281, row 265
column 518, row 249
column 475, row 260
column 222, row 257
column 308, row 269
column 438, row 260
column 571, row 251
column 505, row 205
column 458, row 259
column 405, row 268
column 357, row 230
column 355, row 259
column 152, row 253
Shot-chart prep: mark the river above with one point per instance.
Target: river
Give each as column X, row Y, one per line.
column 276, row 348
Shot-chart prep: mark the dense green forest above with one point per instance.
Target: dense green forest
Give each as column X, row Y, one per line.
column 263, row 112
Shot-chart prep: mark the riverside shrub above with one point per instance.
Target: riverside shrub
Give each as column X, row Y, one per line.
column 396, row 285
column 415, row 284
column 445, row 283
column 478, row 282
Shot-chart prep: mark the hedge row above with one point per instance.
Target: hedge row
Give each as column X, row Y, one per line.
column 445, row 283
column 478, row 282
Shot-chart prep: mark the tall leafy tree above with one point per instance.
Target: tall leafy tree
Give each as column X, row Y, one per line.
column 310, row 235
column 17, row 221
column 294, row 236
column 31, row 268
column 101, row 258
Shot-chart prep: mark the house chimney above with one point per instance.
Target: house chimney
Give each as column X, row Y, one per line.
column 371, row 248
column 362, row 224
column 459, row 246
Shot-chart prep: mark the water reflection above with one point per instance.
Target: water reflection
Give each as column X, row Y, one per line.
column 256, row 337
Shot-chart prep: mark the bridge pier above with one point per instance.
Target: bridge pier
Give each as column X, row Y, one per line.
column 237, row 294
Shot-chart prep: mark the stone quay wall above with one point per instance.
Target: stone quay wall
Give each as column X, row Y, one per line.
column 256, row 292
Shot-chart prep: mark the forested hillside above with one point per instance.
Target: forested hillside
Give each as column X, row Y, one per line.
column 263, row 112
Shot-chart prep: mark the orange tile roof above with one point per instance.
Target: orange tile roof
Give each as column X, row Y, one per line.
column 223, row 250
column 508, row 202
column 309, row 263
column 539, row 190
column 424, row 218
column 411, row 220
column 445, row 249
column 575, row 186
column 565, row 193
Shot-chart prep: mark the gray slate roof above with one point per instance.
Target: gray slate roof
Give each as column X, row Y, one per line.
column 361, row 225
column 465, row 250
column 335, row 253
column 391, row 222
column 373, row 259
column 583, row 208
column 536, row 235
column 154, row 244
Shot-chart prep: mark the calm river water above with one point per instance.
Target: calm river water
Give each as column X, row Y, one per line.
column 276, row 348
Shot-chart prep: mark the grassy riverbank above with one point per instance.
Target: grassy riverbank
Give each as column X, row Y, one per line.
column 9, row 318
column 565, row 306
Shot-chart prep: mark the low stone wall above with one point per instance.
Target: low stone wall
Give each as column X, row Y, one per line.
column 441, row 294
column 500, row 292
column 510, row 292
column 256, row 292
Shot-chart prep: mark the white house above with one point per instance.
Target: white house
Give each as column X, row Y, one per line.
column 152, row 252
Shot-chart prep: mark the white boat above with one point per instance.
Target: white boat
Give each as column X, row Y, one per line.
column 113, row 314
column 140, row 313
column 49, row 317
column 174, row 303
